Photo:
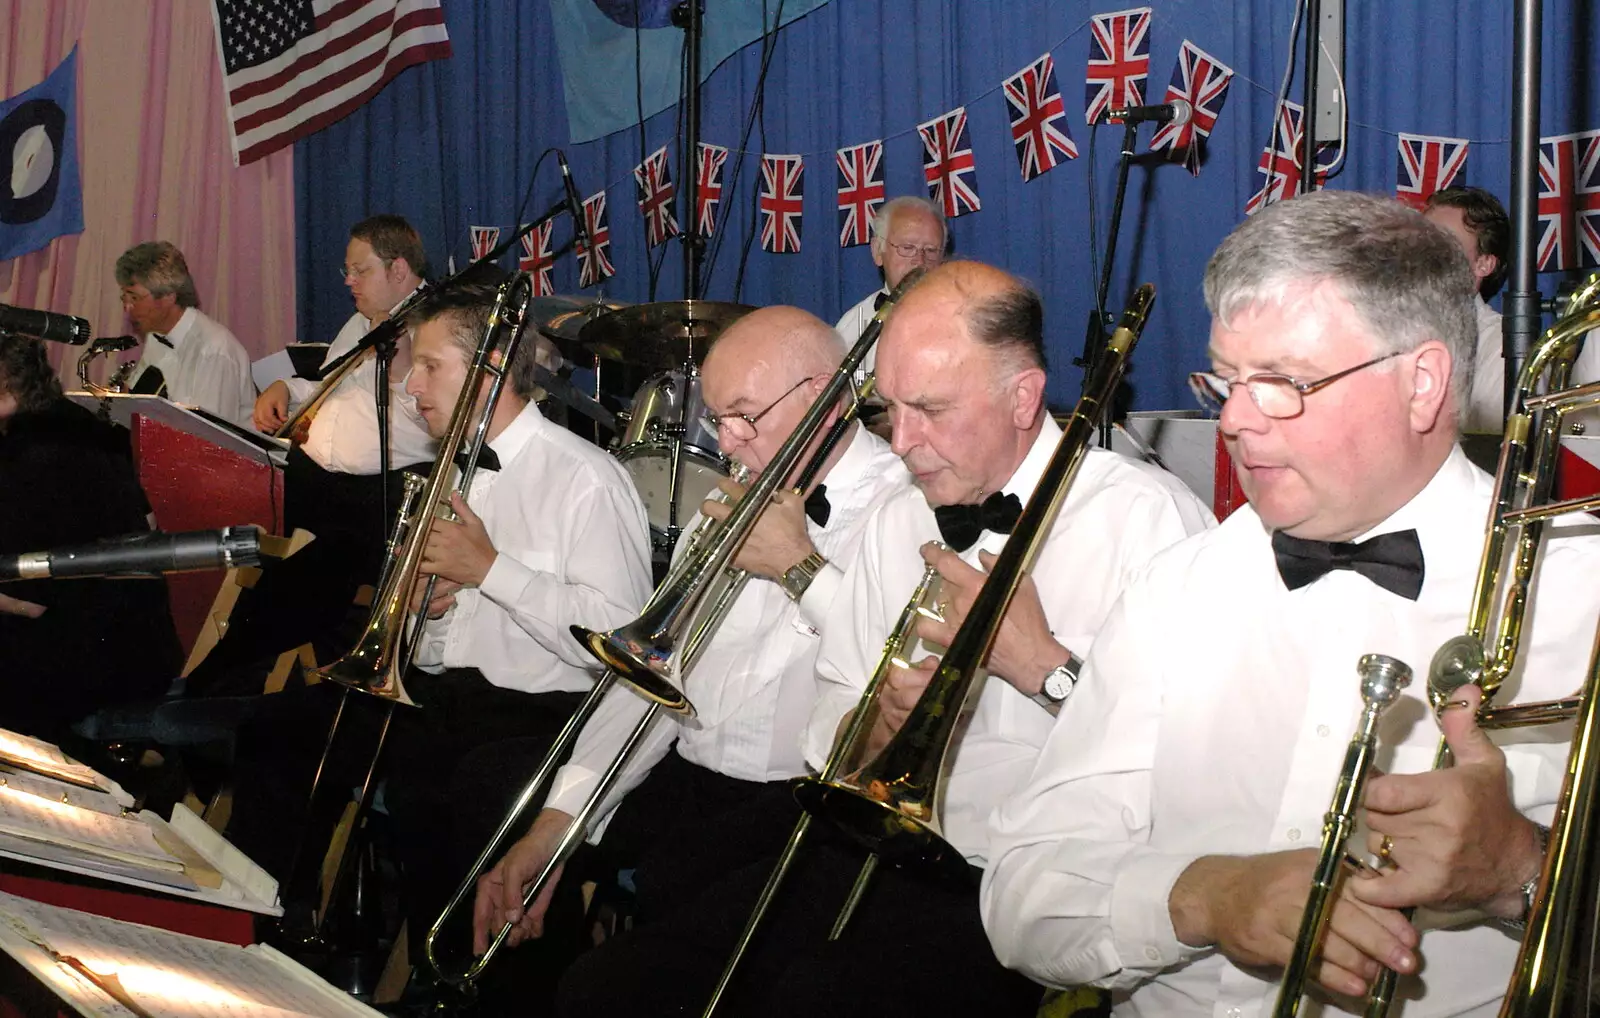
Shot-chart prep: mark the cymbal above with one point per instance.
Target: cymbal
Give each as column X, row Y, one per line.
column 561, row 320
column 661, row 335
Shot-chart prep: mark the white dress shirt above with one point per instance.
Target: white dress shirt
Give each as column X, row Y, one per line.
column 1485, row 410
column 343, row 436
column 1213, row 717
column 753, row 684
column 205, row 366
column 855, row 322
column 1118, row 514
column 573, row 548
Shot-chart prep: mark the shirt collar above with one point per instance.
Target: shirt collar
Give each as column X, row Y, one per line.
column 1026, row 476
column 182, row 329
column 517, row 434
column 1439, row 502
column 853, row 462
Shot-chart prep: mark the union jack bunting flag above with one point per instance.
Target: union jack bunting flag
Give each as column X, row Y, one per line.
column 781, row 193
column 1280, row 161
column 947, row 163
column 537, row 260
column 860, row 190
column 594, row 264
column 654, row 191
column 708, row 187
column 1428, row 164
column 1201, row 80
column 484, row 238
column 1569, row 202
column 1119, row 61
column 1038, row 118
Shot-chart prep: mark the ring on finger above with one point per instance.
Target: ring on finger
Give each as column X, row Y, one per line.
column 1386, row 849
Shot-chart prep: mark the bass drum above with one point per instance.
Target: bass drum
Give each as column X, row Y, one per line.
column 667, row 411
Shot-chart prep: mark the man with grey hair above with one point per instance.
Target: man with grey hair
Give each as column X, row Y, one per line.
column 1164, row 845
column 668, row 816
column 188, row 356
column 907, row 233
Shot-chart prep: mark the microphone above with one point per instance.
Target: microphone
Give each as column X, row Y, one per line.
column 1177, row 112
column 147, row 554
column 45, row 325
column 574, row 203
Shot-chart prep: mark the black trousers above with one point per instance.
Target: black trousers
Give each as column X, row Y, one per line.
column 914, row 948
column 460, row 711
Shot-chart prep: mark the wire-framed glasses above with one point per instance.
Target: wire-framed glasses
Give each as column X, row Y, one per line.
column 1277, row 396
column 743, row 426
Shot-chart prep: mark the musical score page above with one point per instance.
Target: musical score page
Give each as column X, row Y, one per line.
column 176, row 976
column 36, row 818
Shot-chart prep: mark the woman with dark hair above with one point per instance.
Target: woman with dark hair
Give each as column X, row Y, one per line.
column 70, row 647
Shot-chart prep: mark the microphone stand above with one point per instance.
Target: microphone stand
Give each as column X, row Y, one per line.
column 1094, row 340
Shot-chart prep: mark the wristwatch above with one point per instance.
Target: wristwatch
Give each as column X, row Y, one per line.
column 1059, row 682
column 1531, row 888
column 797, row 578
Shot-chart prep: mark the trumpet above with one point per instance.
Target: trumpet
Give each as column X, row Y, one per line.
column 1554, row 941
column 892, row 802
column 646, row 653
column 700, row 577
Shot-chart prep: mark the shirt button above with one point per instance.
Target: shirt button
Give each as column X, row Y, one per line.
column 1324, row 731
column 1294, row 834
column 1234, row 1012
column 1152, row 954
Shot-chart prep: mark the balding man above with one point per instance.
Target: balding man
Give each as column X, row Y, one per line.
column 753, row 684
column 961, row 367
column 909, row 232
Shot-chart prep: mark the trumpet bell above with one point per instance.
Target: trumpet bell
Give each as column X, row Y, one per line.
column 886, row 828
column 642, row 665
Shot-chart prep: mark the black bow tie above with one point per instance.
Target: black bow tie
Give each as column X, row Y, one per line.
column 487, row 460
column 877, row 302
column 163, row 340
column 961, row 525
column 817, row 506
column 1392, row 561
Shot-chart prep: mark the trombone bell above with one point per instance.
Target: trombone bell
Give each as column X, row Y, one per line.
column 903, row 832
column 641, row 664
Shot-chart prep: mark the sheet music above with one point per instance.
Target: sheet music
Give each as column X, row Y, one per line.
column 62, row 791
column 173, row 975
column 35, row 754
column 38, row 819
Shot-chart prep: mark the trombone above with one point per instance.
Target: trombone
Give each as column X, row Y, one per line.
column 892, row 802
column 1484, row 656
column 672, row 629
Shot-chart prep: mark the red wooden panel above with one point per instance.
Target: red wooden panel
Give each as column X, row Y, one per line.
column 197, row 919
column 1226, row 493
column 194, row 484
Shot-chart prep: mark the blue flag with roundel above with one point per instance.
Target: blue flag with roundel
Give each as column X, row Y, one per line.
column 599, row 41
column 40, row 196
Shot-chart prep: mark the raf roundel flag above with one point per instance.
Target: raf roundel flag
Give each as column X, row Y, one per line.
column 40, row 198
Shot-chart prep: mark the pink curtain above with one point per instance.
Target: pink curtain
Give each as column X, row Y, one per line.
column 155, row 163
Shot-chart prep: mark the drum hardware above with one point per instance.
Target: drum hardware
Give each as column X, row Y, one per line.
column 663, row 336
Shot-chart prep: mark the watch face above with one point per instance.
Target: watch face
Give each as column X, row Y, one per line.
column 1058, row 684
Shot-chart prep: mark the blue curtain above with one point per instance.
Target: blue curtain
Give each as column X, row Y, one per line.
column 451, row 144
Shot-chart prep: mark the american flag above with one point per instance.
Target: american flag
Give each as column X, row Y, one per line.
column 708, row 189
column 537, row 259
column 484, row 238
column 1280, row 161
column 1038, row 118
column 946, row 161
column 1119, row 61
column 292, row 67
column 1427, row 164
column 595, row 264
column 1569, row 201
column 860, row 190
column 654, row 190
column 1201, row 80
column 781, row 193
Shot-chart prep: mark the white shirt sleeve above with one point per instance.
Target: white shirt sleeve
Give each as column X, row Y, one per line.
column 856, row 614
column 1073, row 894
column 599, row 743
column 216, row 385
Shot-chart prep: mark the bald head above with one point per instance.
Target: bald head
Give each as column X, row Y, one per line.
column 961, row 365
column 770, row 365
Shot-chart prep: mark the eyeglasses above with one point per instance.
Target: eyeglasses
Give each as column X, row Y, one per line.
column 743, row 426
column 360, row 272
column 1276, row 396
column 928, row 252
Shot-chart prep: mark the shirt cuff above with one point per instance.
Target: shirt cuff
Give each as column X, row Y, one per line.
column 507, row 580
column 1141, row 913
column 819, row 596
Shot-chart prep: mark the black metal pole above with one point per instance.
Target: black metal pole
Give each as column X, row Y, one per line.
column 1308, row 116
column 689, row 16
column 1522, row 317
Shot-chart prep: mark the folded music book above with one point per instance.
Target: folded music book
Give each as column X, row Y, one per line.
column 106, row 968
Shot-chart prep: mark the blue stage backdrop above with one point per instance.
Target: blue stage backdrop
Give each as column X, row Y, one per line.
column 451, row 144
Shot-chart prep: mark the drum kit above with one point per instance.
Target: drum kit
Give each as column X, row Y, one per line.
column 659, row 435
